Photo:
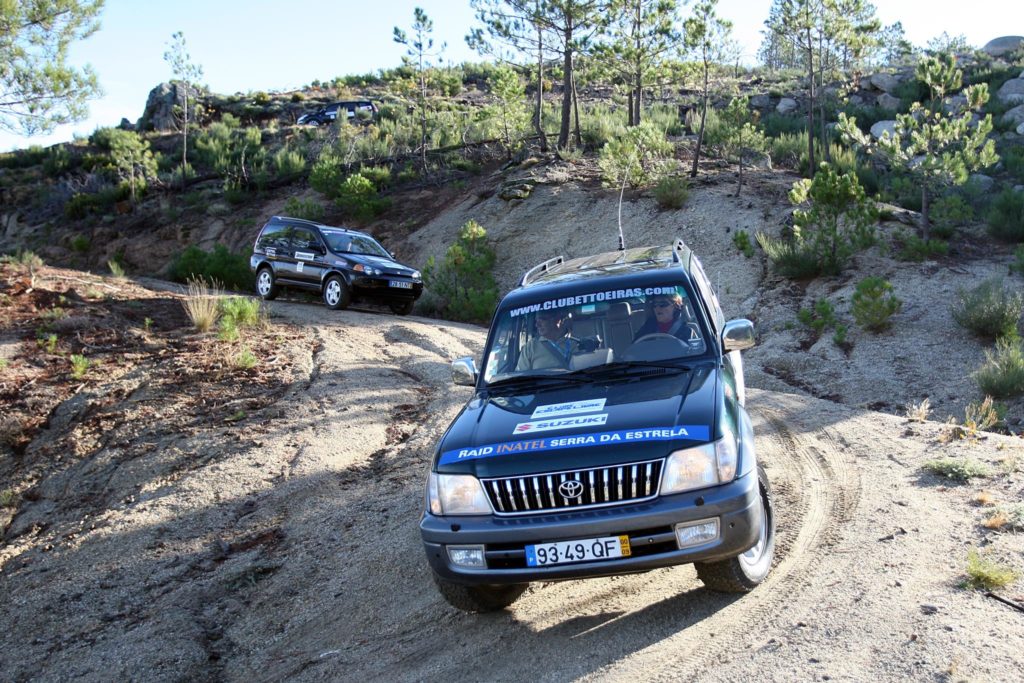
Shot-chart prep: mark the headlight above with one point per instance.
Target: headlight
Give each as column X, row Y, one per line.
column 416, row 275
column 705, row 465
column 369, row 270
column 456, row 494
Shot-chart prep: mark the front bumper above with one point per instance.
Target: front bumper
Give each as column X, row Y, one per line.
column 650, row 527
column 379, row 287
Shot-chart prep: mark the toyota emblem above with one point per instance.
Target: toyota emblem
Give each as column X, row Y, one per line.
column 571, row 489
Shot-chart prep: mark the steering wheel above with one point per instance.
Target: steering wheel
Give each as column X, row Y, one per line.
column 651, row 341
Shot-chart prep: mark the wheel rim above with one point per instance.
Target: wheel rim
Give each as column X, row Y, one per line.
column 753, row 556
column 263, row 283
column 333, row 293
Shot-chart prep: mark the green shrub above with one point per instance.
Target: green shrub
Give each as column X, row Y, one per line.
column 310, row 210
column 874, row 303
column 79, row 366
column 246, row 359
column 839, row 335
column 220, row 265
column 327, row 174
column 986, row 574
column 958, row 469
column 1018, row 264
column 1006, row 217
column 671, row 192
column 80, row 244
column 297, row 97
column 777, row 125
column 742, row 241
column 243, row 311
column 58, row 161
column 261, row 98
column 818, row 318
column 288, row 162
column 949, row 213
column 358, row 198
column 1013, row 162
column 787, row 149
column 380, row 176
column 793, row 258
column 1002, row 374
column 990, row 310
column 462, row 286
column 637, row 157
column 916, row 249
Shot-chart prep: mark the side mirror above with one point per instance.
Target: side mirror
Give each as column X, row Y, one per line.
column 738, row 335
column 464, row 372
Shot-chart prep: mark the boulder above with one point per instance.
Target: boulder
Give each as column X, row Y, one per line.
column 786, row 105
column 1014, row 117
column 761, row 101
column 126, row 124
column 1000, row 47
column 1012, row 91
column 757, row 160
column 159, row 112
column 954, row 104
column 885, row 82
column 887, row 101
column 882, row 127
column 855, row 99
column 982, row 182
column 1020, row 129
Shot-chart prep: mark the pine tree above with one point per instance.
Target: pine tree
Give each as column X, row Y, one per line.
column 742, row 134
column 936, row 148
column 639, row 36
column 133, row 158
column 38, row 89
column 420, row 48
column 187, row 74
column 706, row 37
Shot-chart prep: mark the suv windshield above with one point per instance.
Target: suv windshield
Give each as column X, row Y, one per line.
column 341, row 242
column 564, row 335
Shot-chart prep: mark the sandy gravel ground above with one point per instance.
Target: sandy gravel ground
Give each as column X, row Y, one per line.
column 295, row 555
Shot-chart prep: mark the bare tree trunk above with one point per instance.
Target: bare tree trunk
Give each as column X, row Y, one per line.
column 423, row 116
column 563, row 131
column 637, row 69
column 538, row 120
column 925, row 222
column 810, row 105
column 631, row 122
column 703, row 119
column 184, row 141
column 576, row 112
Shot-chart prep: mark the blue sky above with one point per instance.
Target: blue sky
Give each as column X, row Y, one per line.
column 248, row 45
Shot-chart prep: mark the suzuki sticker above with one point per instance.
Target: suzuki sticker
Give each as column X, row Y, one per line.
column 560, row 423
column 570, row 408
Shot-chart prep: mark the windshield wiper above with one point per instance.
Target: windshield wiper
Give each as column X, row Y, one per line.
column 543, row 380
column 626, row 367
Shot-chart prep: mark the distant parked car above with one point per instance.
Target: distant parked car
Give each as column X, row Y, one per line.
column 353, row 110
column 341, row 265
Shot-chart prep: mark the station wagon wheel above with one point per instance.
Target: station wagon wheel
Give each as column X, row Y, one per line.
column 743, row 573
column 403, row 308
column 265, row 286
column 336, row 294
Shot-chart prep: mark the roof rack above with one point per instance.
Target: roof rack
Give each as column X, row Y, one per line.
column 540, row 268
column 679, row 251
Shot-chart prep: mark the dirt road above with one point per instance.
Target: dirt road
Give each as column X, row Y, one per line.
column 294, row 553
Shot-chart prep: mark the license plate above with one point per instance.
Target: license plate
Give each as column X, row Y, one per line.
column 400, row 284
column 585, row 550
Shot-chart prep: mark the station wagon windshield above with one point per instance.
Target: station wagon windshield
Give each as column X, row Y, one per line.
column 566, row 335
column 353, row 243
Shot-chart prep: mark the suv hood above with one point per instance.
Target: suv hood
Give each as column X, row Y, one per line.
column 581, row 425
column 387, row 265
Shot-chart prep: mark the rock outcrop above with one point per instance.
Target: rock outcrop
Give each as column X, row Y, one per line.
column 1014, row 117
column 1000, row 47
column 885, row 82
column 1012, row 91
column 887, row 101
column 159, row 112
column 882, row 127
column 786, row 105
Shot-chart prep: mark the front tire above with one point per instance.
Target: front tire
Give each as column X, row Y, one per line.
column 478, row 598
column 265, row 286
column 743, row 573
column 336, row 294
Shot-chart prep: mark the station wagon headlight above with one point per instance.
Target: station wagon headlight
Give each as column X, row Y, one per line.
column 369, row 270
column 705, row 465
column 416, row 275
column 456, row 494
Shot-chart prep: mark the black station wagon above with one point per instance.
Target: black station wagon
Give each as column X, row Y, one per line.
column 341, row 265
column 607, row 435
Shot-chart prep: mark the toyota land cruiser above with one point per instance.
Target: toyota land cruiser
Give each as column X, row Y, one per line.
column 607, row 435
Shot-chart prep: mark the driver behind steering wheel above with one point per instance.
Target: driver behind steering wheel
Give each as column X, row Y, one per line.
column 665, row 316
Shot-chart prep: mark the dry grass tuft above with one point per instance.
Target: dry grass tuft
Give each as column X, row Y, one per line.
column 919, row 412
column 985, row 573
column 997, row 520
column 984, row 499
column 201, row 304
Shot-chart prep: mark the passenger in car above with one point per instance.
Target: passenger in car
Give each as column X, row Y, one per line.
column 553, row 347
column 667, row 314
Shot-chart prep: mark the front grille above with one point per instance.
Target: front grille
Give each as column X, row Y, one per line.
column 600, row 486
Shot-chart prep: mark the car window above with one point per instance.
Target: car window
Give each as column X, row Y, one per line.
column 718, row 318
column 341, row 242
column 601, row 327
column 304, row 238
column 273, row 236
